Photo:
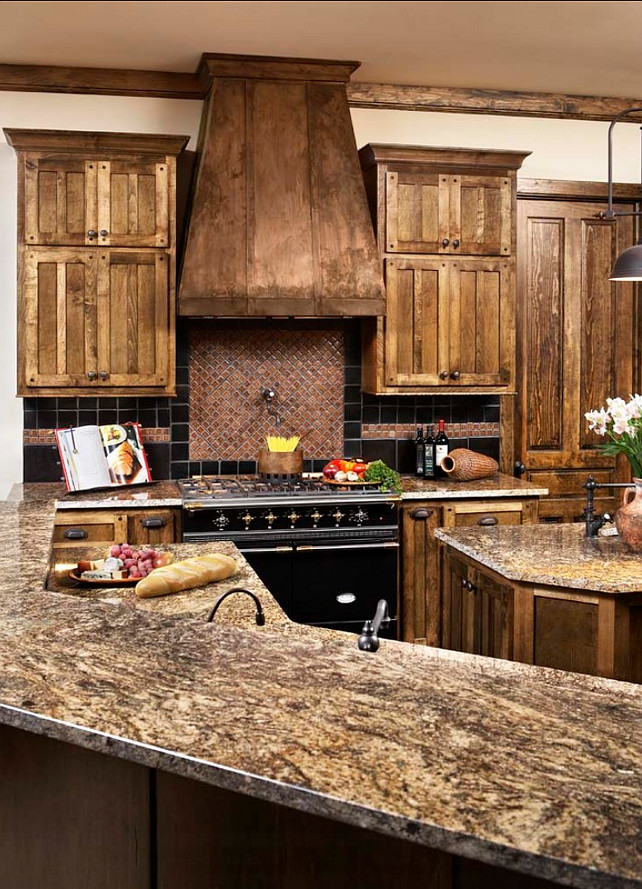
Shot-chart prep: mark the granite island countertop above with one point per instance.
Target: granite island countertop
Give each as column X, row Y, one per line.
column 522, row 767
column 555, row 555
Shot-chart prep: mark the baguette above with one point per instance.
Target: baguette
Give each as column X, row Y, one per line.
column 185, row 575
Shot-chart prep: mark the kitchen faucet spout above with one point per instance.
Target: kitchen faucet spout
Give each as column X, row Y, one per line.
column 369, row 638
column 260, row 616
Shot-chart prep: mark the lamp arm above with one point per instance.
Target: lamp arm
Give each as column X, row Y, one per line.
column 610, row 212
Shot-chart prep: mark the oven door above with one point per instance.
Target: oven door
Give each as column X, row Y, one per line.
column 273, row 564
column 338, row 585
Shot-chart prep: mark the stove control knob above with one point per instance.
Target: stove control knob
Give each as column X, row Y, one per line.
column 359, row 516
column 270, row 518
column 247, row 519
column 337, row 515
column 315, row 515
column 220, row 521
column 293, row 516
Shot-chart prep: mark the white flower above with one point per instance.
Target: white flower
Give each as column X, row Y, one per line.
column 635, row 407
column 598, row 421
column 621, row 425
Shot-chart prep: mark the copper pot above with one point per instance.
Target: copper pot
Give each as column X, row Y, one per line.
column 280, row 465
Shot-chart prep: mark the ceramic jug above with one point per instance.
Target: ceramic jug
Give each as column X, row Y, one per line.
column 628, row 518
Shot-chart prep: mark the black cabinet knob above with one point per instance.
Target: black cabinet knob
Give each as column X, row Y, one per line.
column 75, row 534
column 519, row 468
column 455, row 243
column 455, row 375
column 92, row 374
column 103, row 233
column 420, row 513
column 104, row 375
column 445, row 242
column 443, row 375
column 92, row 234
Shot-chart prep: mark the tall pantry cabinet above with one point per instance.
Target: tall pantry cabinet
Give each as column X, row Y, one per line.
column 96, row 262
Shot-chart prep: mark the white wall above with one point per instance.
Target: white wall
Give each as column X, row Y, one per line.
column 561, row 150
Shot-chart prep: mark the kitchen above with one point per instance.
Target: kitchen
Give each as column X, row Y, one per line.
column 217, row 421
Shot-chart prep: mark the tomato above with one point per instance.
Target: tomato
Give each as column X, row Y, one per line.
column 359, row 467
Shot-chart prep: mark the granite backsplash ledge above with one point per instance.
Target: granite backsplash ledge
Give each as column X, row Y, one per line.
column 217, row 420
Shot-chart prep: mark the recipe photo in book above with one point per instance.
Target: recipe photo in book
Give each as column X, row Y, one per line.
column 102, row 456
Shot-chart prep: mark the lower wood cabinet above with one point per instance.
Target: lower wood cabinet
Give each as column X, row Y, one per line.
column 424, row 584
column 74, row 527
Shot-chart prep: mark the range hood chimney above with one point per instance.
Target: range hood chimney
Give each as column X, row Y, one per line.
column 279, row 224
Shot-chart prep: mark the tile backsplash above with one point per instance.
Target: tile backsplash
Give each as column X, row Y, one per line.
column 217, row 421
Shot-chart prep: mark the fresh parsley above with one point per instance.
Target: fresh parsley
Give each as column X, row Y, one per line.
column 388, row 479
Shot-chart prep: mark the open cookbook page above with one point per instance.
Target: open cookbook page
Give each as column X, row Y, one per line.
column 102, row 456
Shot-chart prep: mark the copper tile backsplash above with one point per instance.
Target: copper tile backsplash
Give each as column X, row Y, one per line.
column 228, row 368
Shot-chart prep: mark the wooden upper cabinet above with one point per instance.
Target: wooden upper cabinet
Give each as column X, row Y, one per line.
column 429, row 212
column 448, row 322
column 445, row 225
column 95, row 319
column 71, row 202
column 96, row 262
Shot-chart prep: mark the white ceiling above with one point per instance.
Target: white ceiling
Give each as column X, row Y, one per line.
column 570, row 47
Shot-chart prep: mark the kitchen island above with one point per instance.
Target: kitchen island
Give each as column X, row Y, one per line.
column 545, row 595
column 209, row 751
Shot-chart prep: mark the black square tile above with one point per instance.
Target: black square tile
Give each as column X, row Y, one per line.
column 194, row 467
column 351, row 430
column 406, row 455
column 352, row 394
column 182, row 395
column 370, row 413
column 424, row 414
column 30, row 419
column 352, row 375
column 491, row 414
column 147, row 417
column 31, row 404
column 229, row 467
column 406, row 413
column 87, row 418
column 180, row 432
column 67, row 404
column 127, row 404
column 107, row 416
column 67, row 418
column 317, row 465
column 182, row 376
column 126, row 415
column 162, row 417
column 179, row 413
column 368, row 398
column 210, row 467
column 178, row 469
column 180, row 451
column 107, row 403
column 380, row 449
column 47, row 420
column 158, row 459
column 247, row 467
column 352, row 412
column 88, row 403
column 389, row 413
column 352, row 448
column 488, row 446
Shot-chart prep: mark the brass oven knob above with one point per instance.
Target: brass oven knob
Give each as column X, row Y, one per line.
column 270, row 518
column 337, row 515
column 293, row 516
column 315, row 516
column 247, row 519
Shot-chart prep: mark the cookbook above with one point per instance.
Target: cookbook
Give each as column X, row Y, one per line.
column 102, row 456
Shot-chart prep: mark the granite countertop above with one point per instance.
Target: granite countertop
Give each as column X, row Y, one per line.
column 557, row 555
column 166, row 493
column 519, row 766
column 497, row 485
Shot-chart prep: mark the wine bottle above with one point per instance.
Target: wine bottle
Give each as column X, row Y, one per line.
column 441, row 450
column 429, row 452
column 419, row 451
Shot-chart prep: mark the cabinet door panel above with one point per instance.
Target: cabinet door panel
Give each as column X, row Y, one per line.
column 133, row 203
column 421, row 611
column 133, row 318
column 480, row 215
column 151, row 526
column 416, row 321
column 416, row 212
column 60, row 317
column 481, row 336
column 60, row 204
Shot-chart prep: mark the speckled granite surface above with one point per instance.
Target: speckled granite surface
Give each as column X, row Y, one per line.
column 496, row 486
column 520, row 766
column 156, row 494
column 558, row 555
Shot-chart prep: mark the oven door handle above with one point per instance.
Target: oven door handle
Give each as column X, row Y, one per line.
column 266, row 549
column 388, row 544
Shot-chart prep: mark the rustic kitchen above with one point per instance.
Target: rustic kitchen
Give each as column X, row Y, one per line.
column 321, row 446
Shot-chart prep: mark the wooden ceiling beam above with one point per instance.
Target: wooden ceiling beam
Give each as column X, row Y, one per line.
column 479, row 101
column 182, row 85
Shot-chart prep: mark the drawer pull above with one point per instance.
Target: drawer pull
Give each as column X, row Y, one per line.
column 468, row 585
column 154, row 522
column 346, row 598
column 420, row 512
column 487, row 520
column 75, row 534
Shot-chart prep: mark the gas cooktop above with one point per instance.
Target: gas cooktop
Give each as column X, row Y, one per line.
column 223, row 490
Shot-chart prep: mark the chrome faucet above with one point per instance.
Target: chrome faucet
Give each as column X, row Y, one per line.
column 269, row 396
column 260, row 616
column 369, row 638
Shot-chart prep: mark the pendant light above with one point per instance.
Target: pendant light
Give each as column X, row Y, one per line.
column 628, row 265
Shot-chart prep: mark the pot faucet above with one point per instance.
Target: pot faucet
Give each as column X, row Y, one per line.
column 260, row 616
column 369, row 638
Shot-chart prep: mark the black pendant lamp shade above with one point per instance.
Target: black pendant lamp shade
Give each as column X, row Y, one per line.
column 628, row 265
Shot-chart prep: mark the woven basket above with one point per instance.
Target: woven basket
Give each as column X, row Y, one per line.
column 463, row 465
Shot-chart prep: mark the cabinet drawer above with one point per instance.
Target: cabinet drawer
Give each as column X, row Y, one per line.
column 77, row 527
column 485, row 515
column 151, row 526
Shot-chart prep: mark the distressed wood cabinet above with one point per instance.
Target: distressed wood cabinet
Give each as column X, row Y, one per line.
column 102, row 527
column 96, row 262
column 445, row 227
column 576, row 337
column 428, row 607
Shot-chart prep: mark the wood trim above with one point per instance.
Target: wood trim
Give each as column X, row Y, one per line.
column 77, row 141
column 478, row 161
column 100, row 81
column 271, row 68
column 576, row 190
column 482, row 101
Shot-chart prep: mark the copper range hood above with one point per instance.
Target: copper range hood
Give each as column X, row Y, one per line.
column 279, row 224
